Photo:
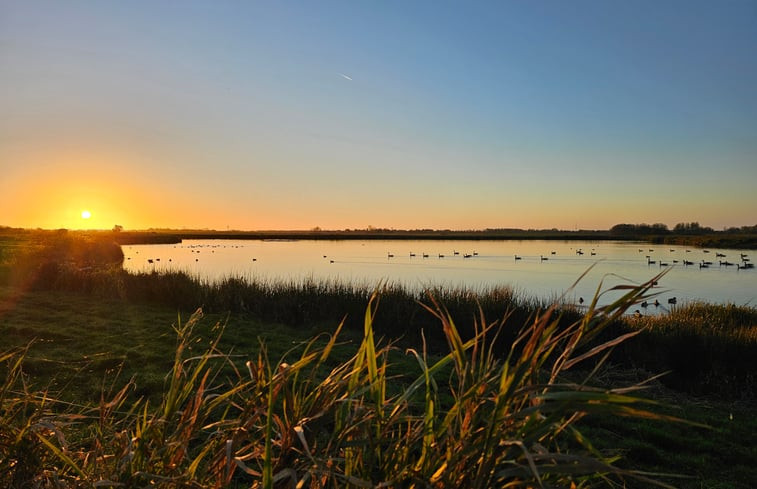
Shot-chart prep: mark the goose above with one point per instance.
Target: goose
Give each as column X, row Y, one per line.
column 580, row 300
column 637, row 314
column 672, row 300
column 656, row 303
column 425, row 255
column 517, row 257
column 441, row 256
column 389, row 255
column 719, row 255
column 645, row 304
column 663, row 264
column 552, row 252
column 651, row 262
column 543, row 258
column 687, row 262
column 412, row 254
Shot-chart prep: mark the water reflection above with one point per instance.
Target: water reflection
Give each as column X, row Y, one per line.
column 543, row 269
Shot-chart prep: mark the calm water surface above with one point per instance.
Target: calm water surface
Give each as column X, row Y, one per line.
column 491, row 263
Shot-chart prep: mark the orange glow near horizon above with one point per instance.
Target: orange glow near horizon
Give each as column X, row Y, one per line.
column 50, row 188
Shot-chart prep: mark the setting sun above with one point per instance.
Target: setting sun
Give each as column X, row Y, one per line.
column 86, row 214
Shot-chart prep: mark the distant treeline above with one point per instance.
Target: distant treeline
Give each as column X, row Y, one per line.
column 690, row 234
column 684, row 228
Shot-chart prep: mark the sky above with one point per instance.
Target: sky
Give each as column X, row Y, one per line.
column 260, row 115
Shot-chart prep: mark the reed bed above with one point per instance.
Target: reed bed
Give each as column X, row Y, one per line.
column 468, row 417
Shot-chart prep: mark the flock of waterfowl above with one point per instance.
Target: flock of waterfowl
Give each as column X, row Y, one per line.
column 389, row 254
column 192, row 249
column 743, row 264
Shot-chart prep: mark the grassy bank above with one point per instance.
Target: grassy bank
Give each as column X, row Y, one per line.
column 80, row 345
column 462, row 418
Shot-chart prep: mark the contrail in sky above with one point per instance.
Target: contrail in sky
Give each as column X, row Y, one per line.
column 345, row 76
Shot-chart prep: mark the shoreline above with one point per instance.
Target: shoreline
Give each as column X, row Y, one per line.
column 747, row 241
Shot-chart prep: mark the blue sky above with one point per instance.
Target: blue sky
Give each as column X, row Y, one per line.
column 282, row 115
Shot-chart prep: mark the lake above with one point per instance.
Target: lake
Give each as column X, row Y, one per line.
column 545, row 269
